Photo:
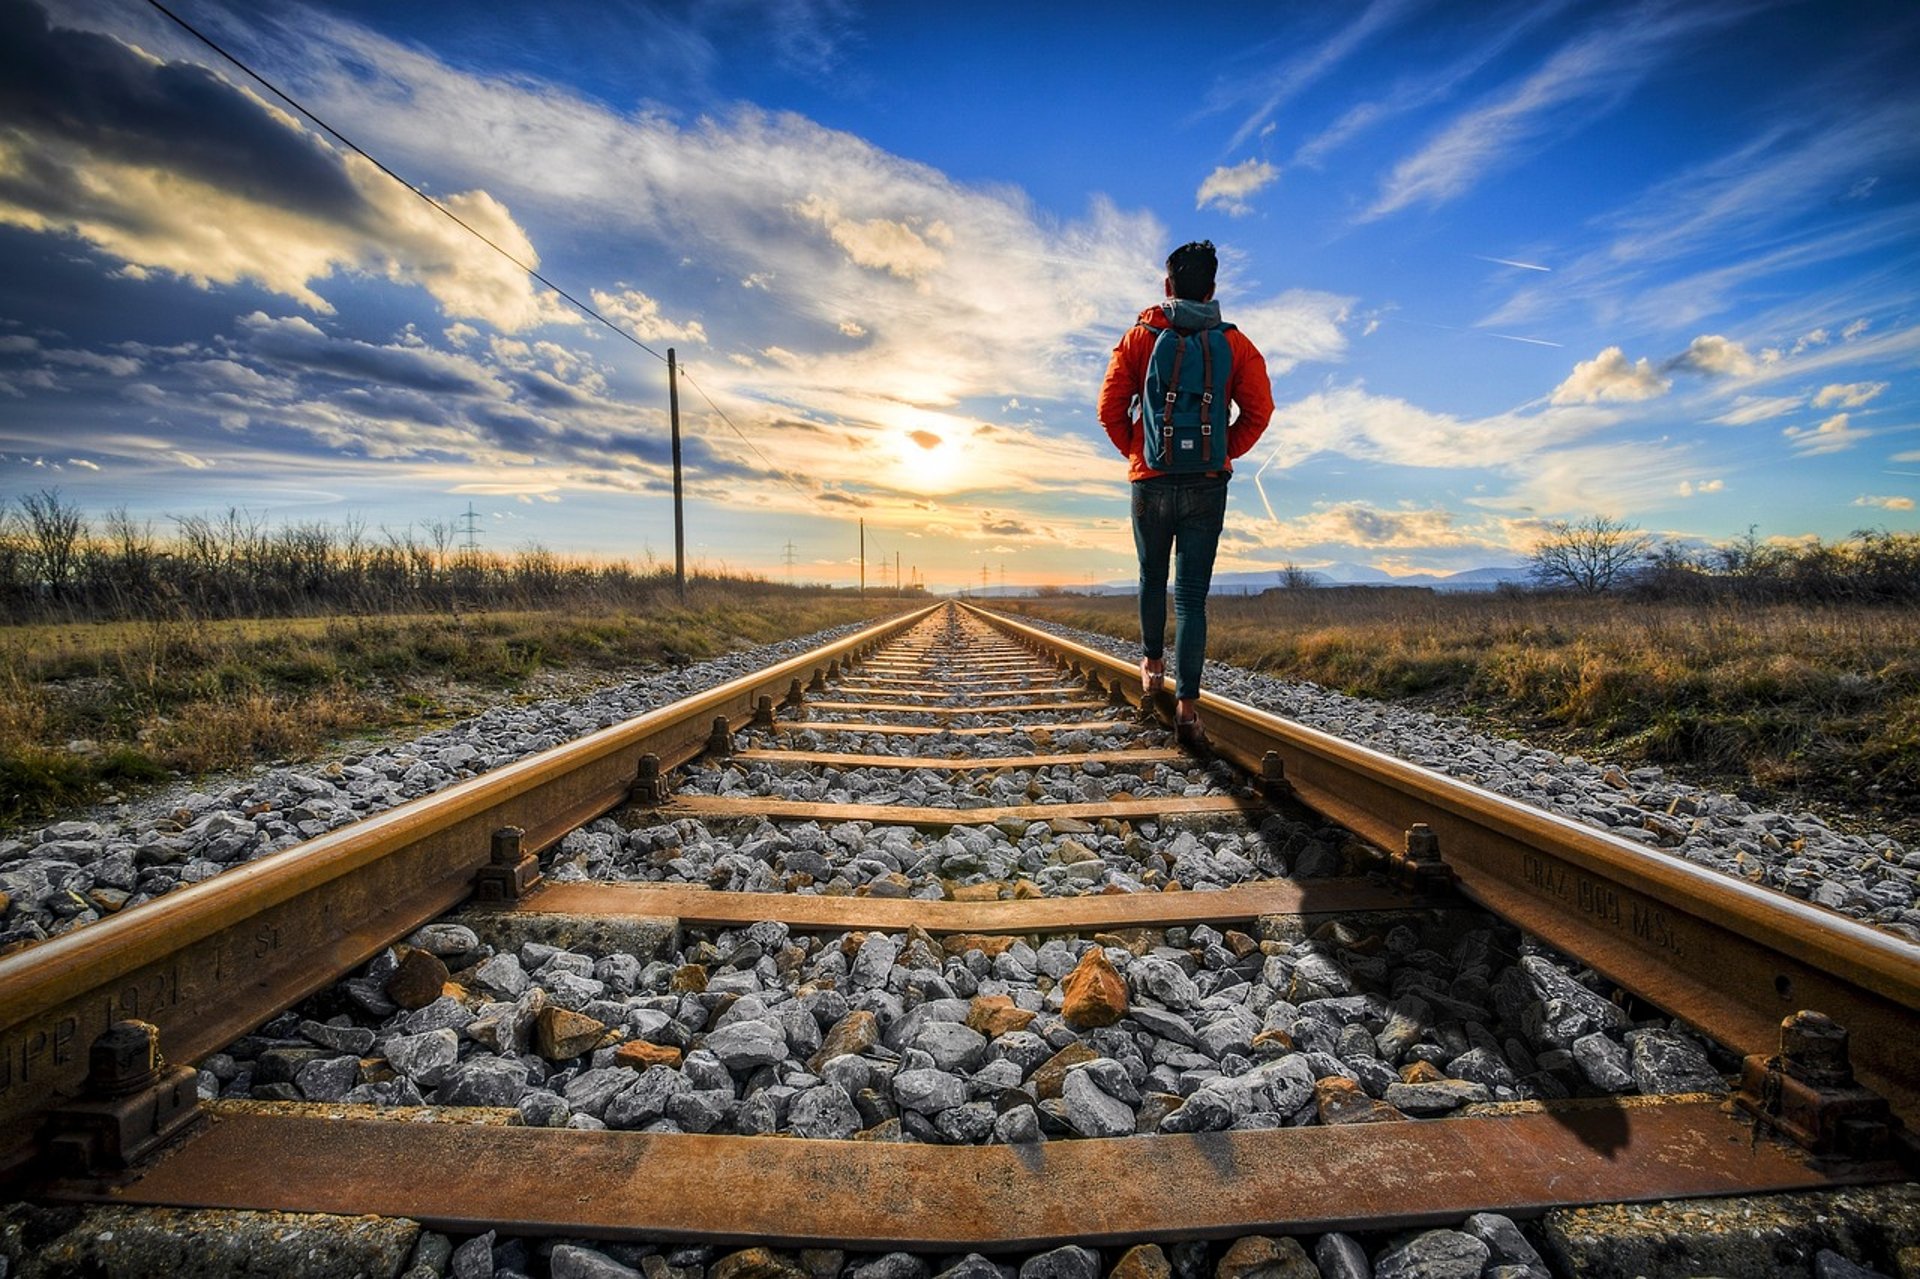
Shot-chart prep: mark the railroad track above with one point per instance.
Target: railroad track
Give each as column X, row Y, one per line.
column 941, row 900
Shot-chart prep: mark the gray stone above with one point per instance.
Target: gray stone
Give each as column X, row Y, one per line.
column 1092, row 1112
column 589, row 1091
column 894, row 1265
column 745, row 1045
column 1603, row 1062
column 639, row 935
column 503, row 975
column 1828, row 1264
column 953, row 1047
column 1341, row 1257
column 424, row 1058
column 1503, row 1239
column 570, row 1261
column 541, row 1109
column 699, row 1110
column 357, row 1040
column 975, row 1266
column 645, row 1100
column 484, row 1081
column 1436, row 1098
column 445, row 940
column 328, row 1079
column 474, row 1258
column 1212, row 1107
column 1017, row 1127
column 1665, row 1063
column 1436, row 1254
column 928, row 1091
column 824, row 1112
column 874, row 960
column 1162, row 981
column 1070, row 1262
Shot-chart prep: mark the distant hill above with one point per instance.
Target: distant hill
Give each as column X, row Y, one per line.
column 1474, row 579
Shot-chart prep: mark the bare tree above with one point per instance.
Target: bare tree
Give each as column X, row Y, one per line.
column 1591, row 556
column 54, row 532
column 1294, row 578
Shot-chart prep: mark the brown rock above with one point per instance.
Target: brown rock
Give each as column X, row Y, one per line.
column 890, row 885
column 852, row 1034
column 688, row 979
column 887, row 1130
column 1420, row 1072
column 1240, row 944
column 1135, row 941
column 1272, row 1043
column 105, row 900
column 560, row 1033
column 418, row 980
column 1095, row 993
column 640, row 1054
column 1142, row 1261
column 375, row 1070
column 755, row 1263
column 1260, row 1257
column 1173, row 886
column 1025, row 890
column 1154, row 1107
column 995, row 1015
column 822, row 1263
column 1051, row 1075
column 6, row 903
column 992, row 947
column 987, row 892
column 1342, row 1101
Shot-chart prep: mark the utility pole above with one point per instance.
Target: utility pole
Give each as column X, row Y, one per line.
column 789, row 558
column 1003, row 577
column 983, row 579
column 679, row 516
column 898, row 589
column 863, row 557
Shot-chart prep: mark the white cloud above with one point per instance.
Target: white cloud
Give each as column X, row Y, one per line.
column 897, row 246
column 1610, row 376
column 1295, row 326
column 1848, row 395
column 1835, row 435
column 274, row 204
column 1715, row 356
column 1229, row 188
column 1596, row 70
column 1855, row 329
column 1688, row 488
column 1912, row 455
column 1748, row 409
column 640, row 315
column 1885, row 503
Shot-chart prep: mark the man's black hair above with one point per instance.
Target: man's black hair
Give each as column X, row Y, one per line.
column 1191, row 267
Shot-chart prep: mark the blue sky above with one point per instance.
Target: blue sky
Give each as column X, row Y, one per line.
column 1509, row 264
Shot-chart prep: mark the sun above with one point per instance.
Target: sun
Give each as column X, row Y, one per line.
column 927, row 460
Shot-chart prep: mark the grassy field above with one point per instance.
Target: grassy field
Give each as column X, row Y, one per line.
column 86, row 709
column 1787, row 704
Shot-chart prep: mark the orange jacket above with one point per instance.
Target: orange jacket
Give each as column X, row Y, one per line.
column 1248, row 389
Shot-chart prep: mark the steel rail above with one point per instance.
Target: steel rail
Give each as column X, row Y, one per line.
column 1726, row 956
column 211, row 961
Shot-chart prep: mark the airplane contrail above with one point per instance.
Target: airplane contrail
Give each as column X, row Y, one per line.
column 1515, row 338
column 1524, row 266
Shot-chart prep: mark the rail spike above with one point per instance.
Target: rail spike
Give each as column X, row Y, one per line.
column 512, row 872
column 133, row 1105
column 1418, row 867
column 1807, row 1093
column 649, row 784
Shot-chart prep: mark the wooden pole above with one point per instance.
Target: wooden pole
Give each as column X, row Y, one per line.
column 679, row 515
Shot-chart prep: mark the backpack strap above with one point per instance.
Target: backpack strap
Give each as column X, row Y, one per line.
column 1206, row 400
column 1173, row 390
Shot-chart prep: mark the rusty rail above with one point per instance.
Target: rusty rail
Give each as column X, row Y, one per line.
column 209, row 962
column 1724, row 955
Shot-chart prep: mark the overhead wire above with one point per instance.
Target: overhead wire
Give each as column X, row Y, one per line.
column 477, row 234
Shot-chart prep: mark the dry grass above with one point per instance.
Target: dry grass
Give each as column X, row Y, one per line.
column 1789, row 703
column 89, row 707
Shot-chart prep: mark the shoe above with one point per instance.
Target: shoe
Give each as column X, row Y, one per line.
column 1153, row 675
column 1190, row 734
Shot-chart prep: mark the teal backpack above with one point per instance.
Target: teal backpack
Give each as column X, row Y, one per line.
column 1183, row 408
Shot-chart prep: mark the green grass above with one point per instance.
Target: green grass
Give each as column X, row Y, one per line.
column 1789, row 704
column 90, row 708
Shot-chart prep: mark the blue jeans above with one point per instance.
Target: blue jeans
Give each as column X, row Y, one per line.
column 1183, row 516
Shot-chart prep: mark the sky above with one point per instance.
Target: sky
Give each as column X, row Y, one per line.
column 1508, row 264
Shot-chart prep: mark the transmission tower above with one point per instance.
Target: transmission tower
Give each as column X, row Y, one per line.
column 789, row 558
column 470, row 525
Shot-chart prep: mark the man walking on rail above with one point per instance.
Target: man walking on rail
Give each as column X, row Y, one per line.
column 1164, row 406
